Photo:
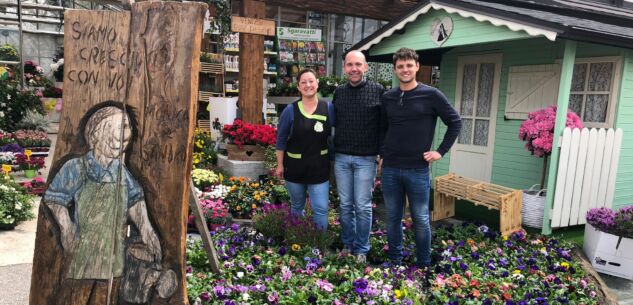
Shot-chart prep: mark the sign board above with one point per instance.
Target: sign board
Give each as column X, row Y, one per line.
column 298, row 34
column 441, row 30
column 253, row 26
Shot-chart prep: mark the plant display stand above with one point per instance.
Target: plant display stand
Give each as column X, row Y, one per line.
column 609, row 253
column 247, row 169
column 451, row 186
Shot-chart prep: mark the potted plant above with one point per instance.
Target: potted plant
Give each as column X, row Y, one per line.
column 36, row 140
column 608, row 240
column 247, row 141
column 538, row 133
column 52, row 101
column 35, row 186
column 30, row 165
column 57, row 67
column 283, row 93
column 15, row 204
column 9, row 53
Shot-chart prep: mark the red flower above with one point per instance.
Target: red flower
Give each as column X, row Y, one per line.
column 241, row 133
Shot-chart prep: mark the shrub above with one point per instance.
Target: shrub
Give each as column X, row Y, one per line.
column 303, row 231
column 270, row 221
column 15, row 204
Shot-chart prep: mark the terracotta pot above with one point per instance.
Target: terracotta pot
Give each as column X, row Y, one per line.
column 245, row 153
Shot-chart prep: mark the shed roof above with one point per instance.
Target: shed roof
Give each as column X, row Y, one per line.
column 551, row 19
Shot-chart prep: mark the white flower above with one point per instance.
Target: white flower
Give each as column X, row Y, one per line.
column 240, row 274
column 1, row 114
column 245, row 296
column 8, row 96
column 60, row 62
column 18, row 206
column 3, row 104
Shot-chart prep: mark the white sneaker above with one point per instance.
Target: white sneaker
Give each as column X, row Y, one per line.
column 346, row 250
column 361, row 258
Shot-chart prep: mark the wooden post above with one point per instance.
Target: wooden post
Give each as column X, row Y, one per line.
column 146, row 62
column 567, row 70
column 201, row 225
column 251, row 65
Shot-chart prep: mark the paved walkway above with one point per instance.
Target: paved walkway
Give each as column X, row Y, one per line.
column 17, row 247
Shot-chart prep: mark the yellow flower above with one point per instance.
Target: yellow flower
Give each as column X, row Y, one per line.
column 399, row 294
column 238, row 207
column 254, row 206
column 517, row 271
column 505, row 237
column 565, row 265
column 257, row 198
column 296, row 247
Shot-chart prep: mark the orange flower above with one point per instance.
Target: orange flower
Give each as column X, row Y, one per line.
column 476, row 293
column 507, row 296
column 254, row 206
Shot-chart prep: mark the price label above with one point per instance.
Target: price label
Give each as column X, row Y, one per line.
column 6, row 168
column 28, row 154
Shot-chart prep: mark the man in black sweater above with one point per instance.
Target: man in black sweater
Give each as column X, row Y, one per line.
column 409, row 116
column 356, row 142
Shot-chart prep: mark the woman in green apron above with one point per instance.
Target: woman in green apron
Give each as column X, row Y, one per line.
column 302, row 149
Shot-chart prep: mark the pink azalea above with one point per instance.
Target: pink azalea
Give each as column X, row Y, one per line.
column 538, row 129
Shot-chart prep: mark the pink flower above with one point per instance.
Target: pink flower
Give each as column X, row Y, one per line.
column 325, row 285
column 538, row 129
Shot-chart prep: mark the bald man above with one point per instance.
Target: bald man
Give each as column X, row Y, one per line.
column 357, row 107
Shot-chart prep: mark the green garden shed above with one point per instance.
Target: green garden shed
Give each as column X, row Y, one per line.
column 500, row 61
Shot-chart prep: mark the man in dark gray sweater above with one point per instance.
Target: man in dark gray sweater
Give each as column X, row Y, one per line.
column 356, row 142
column 409, row 115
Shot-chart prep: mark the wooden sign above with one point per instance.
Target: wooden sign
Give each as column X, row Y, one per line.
column 112, row 223
column 253, row 26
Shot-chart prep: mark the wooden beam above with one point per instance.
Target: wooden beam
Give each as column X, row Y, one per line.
column 379, row 10
column 251, row 65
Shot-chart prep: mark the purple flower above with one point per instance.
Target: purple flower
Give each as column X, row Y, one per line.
column 360, row 285
column 205, row 297
column 282, row 250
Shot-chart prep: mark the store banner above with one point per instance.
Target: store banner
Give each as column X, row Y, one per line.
column 298, row 34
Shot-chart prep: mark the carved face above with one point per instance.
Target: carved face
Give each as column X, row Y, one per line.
column 108, row 140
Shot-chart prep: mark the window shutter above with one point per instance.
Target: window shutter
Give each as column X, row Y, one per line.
column 531, row 88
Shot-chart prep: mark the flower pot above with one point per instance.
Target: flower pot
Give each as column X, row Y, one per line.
column 8, row 226
column 245, row 153
column 609, row 253
column 30, row 173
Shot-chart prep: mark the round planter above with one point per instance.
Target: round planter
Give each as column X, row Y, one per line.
column 30, row 173
column 8, row 226
column 245, row 153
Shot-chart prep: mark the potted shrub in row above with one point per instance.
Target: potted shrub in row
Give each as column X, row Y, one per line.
column 15, row 204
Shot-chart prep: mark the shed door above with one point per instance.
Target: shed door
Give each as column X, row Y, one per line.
column 477, row 96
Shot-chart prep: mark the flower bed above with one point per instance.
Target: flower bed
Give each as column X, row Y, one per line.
column 472, row 265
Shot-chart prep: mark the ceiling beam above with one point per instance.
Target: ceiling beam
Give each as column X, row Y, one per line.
column 373, row 9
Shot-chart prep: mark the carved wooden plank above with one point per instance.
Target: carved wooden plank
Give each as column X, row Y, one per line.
column 251, row 65
column 164, row 86
column 201, row 225
column 146, row 63
column 91, row 38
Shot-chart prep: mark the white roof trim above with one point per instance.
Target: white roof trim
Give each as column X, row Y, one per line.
column 514, row 26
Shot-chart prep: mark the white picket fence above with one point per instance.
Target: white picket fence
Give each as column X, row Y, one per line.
column 587, row 168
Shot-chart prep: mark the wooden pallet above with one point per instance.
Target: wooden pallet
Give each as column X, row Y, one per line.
column 211, row 68
column 451, row 186
column 204, row 96
column 204, row 125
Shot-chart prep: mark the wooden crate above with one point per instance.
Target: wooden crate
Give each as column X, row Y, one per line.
column 211, row 68
column 451, row 186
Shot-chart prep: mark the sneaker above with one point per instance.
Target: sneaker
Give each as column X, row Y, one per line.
column 361, row 258
column 346, row 250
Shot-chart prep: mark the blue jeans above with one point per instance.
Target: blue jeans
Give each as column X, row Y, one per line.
column 319, row 198
column 415, row 184
column 354, row 182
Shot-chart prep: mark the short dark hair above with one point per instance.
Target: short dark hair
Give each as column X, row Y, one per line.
column 304, row 71
column 405, row 54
